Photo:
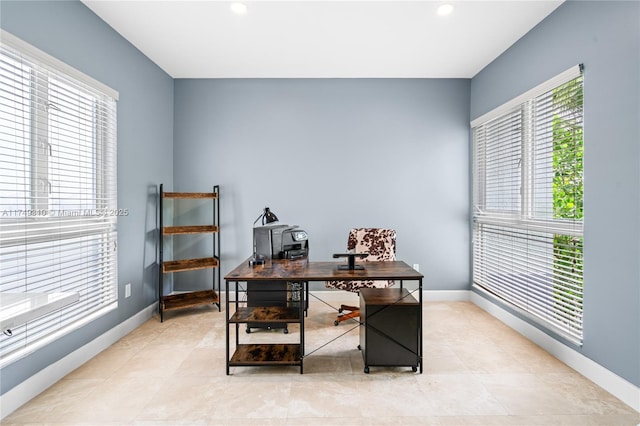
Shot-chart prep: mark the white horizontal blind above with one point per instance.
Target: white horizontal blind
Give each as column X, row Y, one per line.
column 528, row 205
column 58, row 199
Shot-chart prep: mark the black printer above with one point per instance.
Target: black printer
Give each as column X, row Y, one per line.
column 280, row 242
column 276, row 242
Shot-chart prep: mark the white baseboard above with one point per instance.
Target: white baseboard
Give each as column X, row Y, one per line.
column 340, row 296
column 446, row 295
column 39, row 382
column 622, row 389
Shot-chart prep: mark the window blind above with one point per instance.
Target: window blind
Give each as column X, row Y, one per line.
column 528, row 204
column 58, row 194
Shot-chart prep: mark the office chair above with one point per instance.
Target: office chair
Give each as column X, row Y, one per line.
column 380, row 243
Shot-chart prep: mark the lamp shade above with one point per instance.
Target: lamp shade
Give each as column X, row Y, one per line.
column 268, row 216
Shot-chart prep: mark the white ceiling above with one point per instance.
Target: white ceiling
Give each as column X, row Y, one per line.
column 296, row 39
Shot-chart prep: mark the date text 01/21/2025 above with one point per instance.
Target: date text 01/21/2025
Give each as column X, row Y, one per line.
column 63, row 213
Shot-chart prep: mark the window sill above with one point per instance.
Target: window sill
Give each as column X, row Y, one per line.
column 20, row 308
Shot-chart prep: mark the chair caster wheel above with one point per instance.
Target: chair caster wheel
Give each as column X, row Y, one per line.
column 248, row 330
column 414, row 369
column 366, row 370
column 336, row 323
column 285, row 331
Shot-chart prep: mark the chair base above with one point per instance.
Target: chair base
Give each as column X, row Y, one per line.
column 354, row 312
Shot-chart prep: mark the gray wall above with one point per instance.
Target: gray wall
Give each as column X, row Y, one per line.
column 72, row 33
column 605, row 37
column 331, row 154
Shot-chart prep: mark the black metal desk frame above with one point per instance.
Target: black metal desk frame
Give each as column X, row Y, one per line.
column 305, row 271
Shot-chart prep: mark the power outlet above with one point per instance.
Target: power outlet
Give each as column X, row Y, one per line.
column 127, row 290
column 416, row 267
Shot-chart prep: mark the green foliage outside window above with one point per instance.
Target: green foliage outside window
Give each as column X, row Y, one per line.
column 568, row 190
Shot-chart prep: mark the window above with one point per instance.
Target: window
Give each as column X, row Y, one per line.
column 528, row 203
column 58, row 211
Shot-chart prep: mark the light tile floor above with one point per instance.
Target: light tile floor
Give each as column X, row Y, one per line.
column 477, row 371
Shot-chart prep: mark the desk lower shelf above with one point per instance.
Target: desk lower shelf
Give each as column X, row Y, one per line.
column 266, row 354
column 266, row 314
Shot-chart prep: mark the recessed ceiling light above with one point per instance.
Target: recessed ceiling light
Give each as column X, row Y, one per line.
column 445, row 9
column 239, row 8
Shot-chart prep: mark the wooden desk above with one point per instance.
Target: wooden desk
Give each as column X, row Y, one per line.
column 302, row 271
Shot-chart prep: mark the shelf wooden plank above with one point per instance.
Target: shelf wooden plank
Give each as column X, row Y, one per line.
column 267, row 314
column 189, row 299
column 190, row 194
column 265, row 354
column 190, row 229
column 189, row 264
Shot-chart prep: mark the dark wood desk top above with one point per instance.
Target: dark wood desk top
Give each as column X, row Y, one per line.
column 305, row 270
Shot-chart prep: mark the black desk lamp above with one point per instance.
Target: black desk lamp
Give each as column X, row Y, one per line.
column 267, row 216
